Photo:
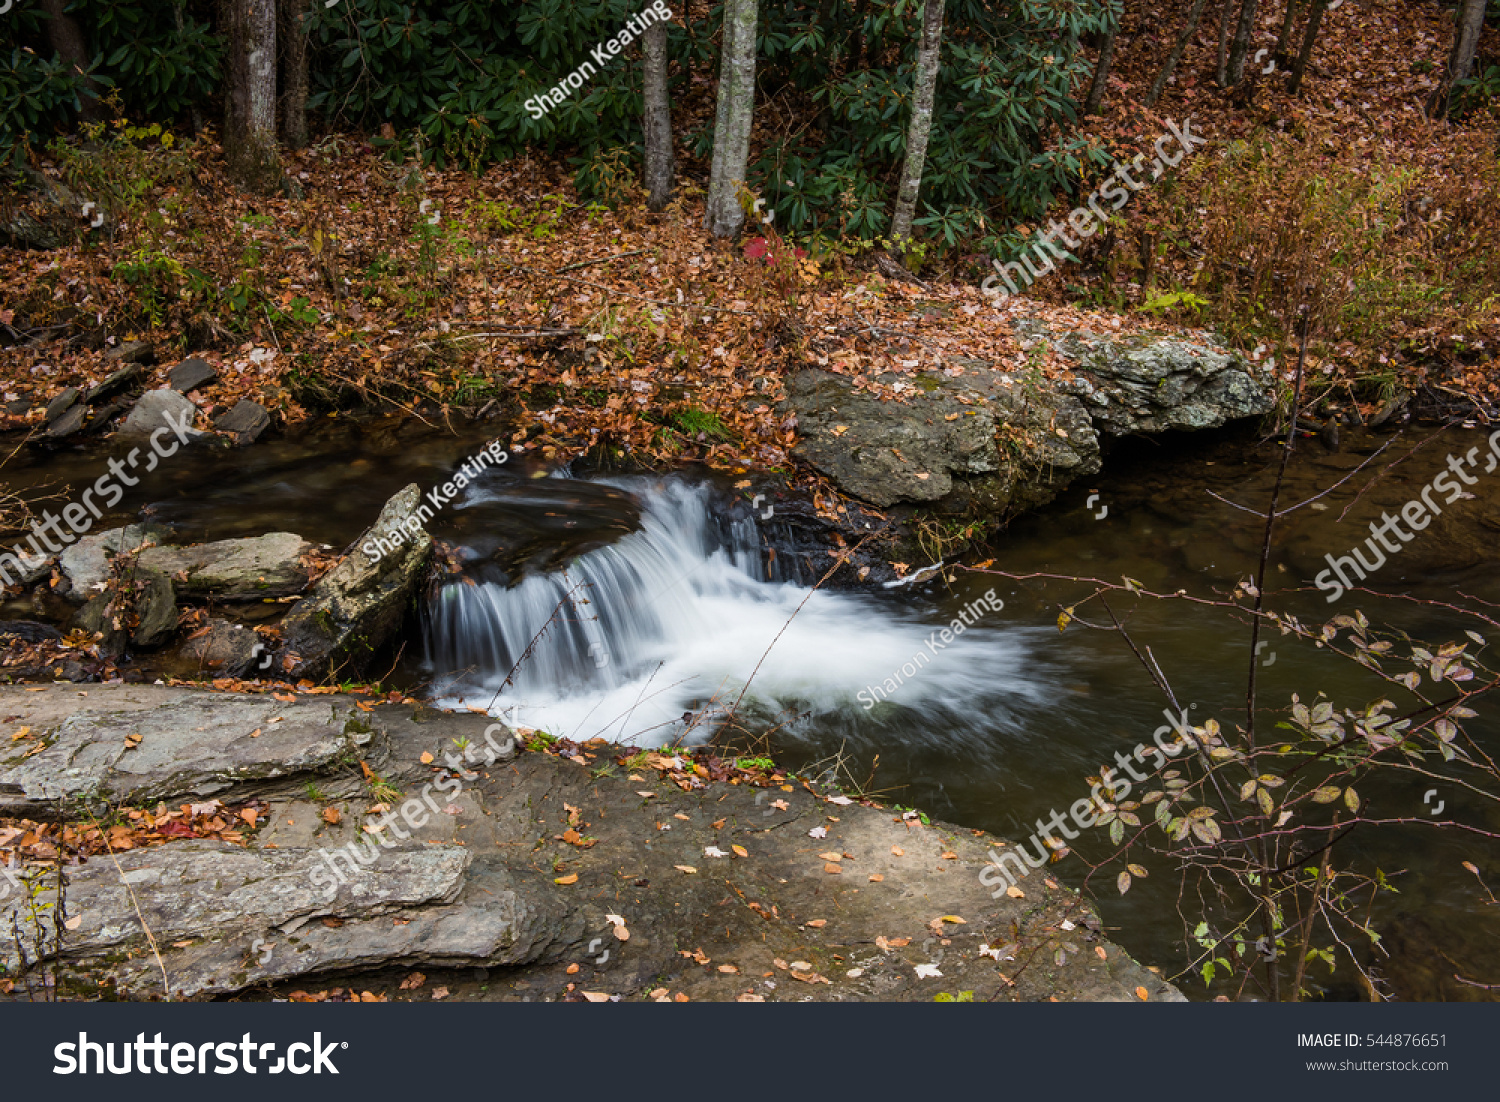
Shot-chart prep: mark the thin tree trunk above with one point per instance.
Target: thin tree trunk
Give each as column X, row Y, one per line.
column 1470, row 24
column 1241, row 44
column 1288, row 21
column 1160, row 84
column 1221, row 73
column 1101, row 71
column 1314, row 20
column 293, row 31
column 929, row 59
column 736, row 111
column 250, row 99
column 67, row 41
column 658, row 117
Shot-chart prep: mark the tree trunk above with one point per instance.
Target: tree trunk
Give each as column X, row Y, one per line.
column 658, row 117
column 1175, row 56
column 293, row 32
column 1314, row 20
column 250, row 99
column 929, row 57
column 1470, row 24
column 1288, row 21
column 736, row 111
column 67, row 41
column 1221, row 73
column 1241, row 45
column 1101, row 71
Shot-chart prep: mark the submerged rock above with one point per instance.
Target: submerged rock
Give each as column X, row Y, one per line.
column 226, row 650
column 359, row 604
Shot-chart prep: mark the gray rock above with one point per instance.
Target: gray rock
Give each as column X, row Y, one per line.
column 86, row 562
column 132, row 352
column 226, row 649
column 46, row 217
column 197, row 889
column 943, row 443
column 191, row 374
column 62, row 402
column 151, row 412
column 100, row 617
column 117, row 383
column 1151, row 384
column 245, row 422
column 155, row 610
column 68, row 423
column 235, row 570
column 360, row 603
column 189, row 747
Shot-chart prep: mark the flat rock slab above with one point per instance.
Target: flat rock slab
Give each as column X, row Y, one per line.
column 191, row 374
column 191, row 745
column 528, row 862
column 245, row 422
column 235, row 570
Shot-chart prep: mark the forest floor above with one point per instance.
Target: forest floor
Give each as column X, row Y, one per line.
column 589, row 326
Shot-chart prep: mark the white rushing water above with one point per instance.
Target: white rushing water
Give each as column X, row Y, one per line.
column 653, row 638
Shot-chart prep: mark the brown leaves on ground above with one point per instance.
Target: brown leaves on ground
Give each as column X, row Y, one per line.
column 28, row 842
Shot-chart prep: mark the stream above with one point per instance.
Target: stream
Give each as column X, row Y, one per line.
column 638, row 608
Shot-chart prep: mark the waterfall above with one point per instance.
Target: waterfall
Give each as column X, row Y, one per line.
column 652, row 638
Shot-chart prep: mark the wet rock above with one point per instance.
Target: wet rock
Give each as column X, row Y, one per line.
column 360, row 603
column 235, row 570
column 68, row 423
column 245, row 422
column 29, row 631
column 161, row 409
column 190, row 374
column 226, row 649
column 86, row 562
column 62, row 402
column 155, row 610
column 190, row 746
column 99, row 616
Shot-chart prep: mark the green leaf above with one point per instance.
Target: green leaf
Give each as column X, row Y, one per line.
column 1326, row 794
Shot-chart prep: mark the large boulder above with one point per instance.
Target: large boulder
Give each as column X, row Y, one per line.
column 86, row 562
column 976, row 437
column 359, row 604
column 152, row 411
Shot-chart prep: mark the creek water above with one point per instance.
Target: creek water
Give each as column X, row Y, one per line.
column 646, row 609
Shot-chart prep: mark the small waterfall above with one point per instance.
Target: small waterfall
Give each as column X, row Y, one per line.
column 653, row 637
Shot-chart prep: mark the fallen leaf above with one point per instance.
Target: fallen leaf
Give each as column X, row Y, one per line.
column 1142, row 994
column 927, row 971
column 713, row 851
column 657, row 993
column 832, row 868
column 571, row 878
column 740, row 851
column 816, row 923
column 729, row 968
column 855, row 973
column 876, row 878
column 413, row 981
column 897, row 851
column 572, row 969
column 73, row 923
column 680, row 815
column 1015, row 892
column 719, row 824
column 249, row 815
column 331, row 815
column 809, row 977
column 646, row 794
column 818, row 832
column 831, row 856
column 749, row 997
column 842, row 801
column 685, row 868
column 426, row 758
column 439, row 993
column 948, row 855
column 595, row 996
column 679, row 997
